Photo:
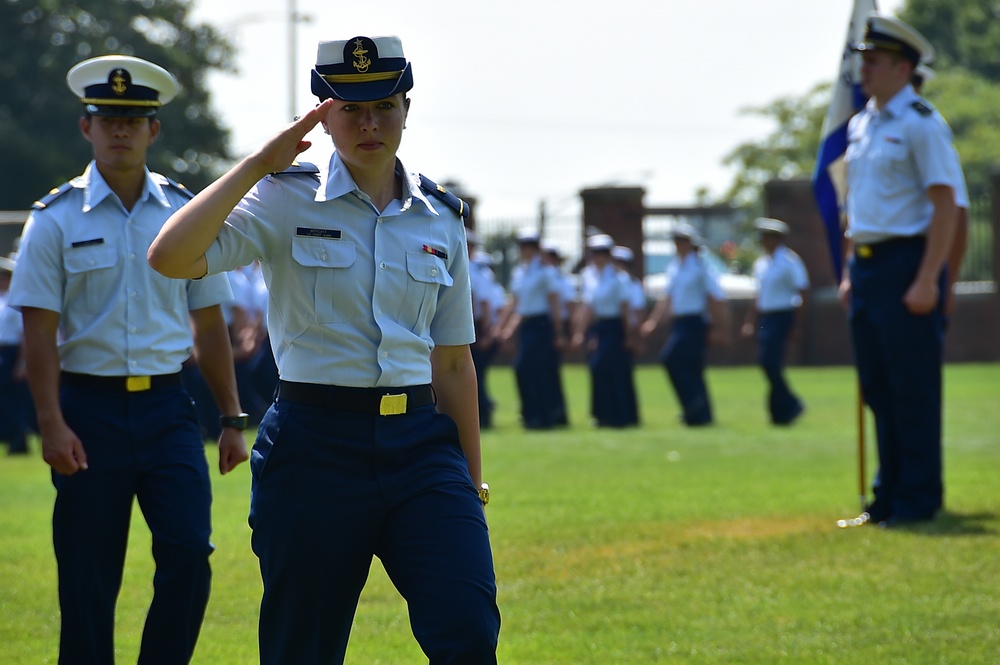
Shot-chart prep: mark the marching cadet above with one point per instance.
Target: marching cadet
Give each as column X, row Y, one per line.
column 536, row 315
column 699, row 314
column 605, row 324
column 105, row 337
column 372, row 446
column 16, row 412
column 484, row 307
column 782, row 281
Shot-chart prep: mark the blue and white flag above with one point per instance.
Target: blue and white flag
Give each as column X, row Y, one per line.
column 830, row 175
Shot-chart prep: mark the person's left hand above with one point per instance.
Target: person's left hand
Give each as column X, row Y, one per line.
column 921, row 297
column 232, row 449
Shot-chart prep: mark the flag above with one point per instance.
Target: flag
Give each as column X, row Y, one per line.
column 830, row 175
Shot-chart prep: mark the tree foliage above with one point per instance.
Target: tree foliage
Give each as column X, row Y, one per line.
column 39, row 130
column 966, row 90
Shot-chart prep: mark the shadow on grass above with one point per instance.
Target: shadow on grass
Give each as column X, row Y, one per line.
column 955, row 524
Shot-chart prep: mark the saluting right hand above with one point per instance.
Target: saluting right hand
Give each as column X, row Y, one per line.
column 63, row 450
column 278, row 154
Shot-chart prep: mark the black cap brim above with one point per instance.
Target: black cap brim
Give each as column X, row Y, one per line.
column 368, row 91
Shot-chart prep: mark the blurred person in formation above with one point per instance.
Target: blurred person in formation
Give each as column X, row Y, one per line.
column 624, row 261
column 262, row 371
column 105, row 337
column 535, row 314
column 484, row 309
column 956, row 256
column 782, row 281
column 17, row 415
column 568, row 296
column 376, row 416
column 699, row 313
column 604, row 327
column 902, row 175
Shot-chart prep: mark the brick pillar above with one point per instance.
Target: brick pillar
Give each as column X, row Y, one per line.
column 617, row 211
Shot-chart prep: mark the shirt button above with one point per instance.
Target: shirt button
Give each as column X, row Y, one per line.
column 133, row 257
column 322, row 257
column 385, row 354
column 133, row 294
column 382, row 265
column 133, row 329
column 93, row 262
column 434, row 272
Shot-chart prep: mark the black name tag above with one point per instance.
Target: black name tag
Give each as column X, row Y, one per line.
column 88, row 243
column 317, row 233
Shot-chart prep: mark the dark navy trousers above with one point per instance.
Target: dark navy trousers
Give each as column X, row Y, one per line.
column 612, row 390
column 536, row 367
column 17, row 414
column 333, row 488
column 145, row 446
column 772, row 338
column 899, row 356
column 482, row 358
column 684, row 357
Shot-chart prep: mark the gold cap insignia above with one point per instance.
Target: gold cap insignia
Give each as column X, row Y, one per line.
column 361, row 63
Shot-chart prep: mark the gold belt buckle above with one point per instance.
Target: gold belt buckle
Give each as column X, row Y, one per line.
column 865, row 251
column 137, row 384
column 392, row 405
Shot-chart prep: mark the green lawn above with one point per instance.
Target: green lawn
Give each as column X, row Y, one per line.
column 658, row 544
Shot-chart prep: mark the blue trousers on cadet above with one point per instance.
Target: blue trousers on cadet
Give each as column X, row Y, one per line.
column 536, row 367
column 899, row 357
column 331, row 489
column 684, row 357
column 145, row 446
column 612, row 396
column 772, row 338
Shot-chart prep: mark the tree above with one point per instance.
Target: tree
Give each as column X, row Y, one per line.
column 788, row 152
column 39, row 134
column 965, row 33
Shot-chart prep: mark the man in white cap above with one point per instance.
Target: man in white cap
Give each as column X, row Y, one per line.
column 901, row 176
column 604, row 322
column 372, row 447
column 105, row 337
column 536, row 315
column 781, row 284
column 699, row 313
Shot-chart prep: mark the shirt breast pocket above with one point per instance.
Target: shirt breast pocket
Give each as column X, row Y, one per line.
column 427, row 274
column 323, row 266
column 91, row 279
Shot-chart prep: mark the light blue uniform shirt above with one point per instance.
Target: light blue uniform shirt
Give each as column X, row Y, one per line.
column 893, row 156
column 605, row 294
column 690, row 283
column 11, row 329
column 780, row 280
column 356, row 297
column 84, row 256
column 482, row 280
column 532, row 283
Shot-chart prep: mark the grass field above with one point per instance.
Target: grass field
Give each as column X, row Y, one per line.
column 654, row 545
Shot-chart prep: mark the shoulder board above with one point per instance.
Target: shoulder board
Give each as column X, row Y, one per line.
column 173, row 184
column 54, row 194
column 300, row 168
column 449, row 199
column 922, row 108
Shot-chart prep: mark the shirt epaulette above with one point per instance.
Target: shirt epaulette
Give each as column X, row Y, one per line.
column 173, row 184
column 923, row 109
column 300, row 168
column 439, row 192
column 46, row 200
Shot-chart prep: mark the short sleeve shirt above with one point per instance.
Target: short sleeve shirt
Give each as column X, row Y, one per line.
column 780, row 280
column 358, row 297
column 84, row 256
column 894, row 155
column 690, row 284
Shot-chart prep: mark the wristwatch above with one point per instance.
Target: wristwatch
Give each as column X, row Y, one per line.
column 484, row 494
column 240, row 422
